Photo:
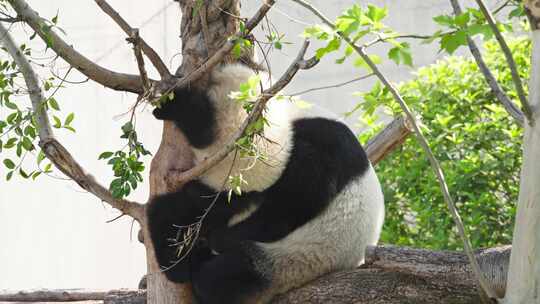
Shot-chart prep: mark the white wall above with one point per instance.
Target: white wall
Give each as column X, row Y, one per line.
column 52, row 234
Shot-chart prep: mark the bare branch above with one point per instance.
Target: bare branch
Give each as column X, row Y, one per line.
column 509, row 59
column 54, row 151
column 338, row 85
column 148, row 50
column 69, row 295
column 108, row 78
column 391, row 137
column 437, row 170
column 499, row 93
column 179, row 178
column 60, row 295
column 137, row 45
column 10, row 20
column 226, row 48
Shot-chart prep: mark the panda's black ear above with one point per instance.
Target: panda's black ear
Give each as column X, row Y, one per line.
column 159, row 113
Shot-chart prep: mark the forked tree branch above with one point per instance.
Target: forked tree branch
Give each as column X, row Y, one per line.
column 179, row 178
column 509, row 59
column 437, row 170
column 226, row 48
column 147, row 49
column 499, row 93
column 54, row 151
column 101, row 75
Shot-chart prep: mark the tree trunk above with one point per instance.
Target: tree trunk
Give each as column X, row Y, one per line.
column 524, row 273
column 199, row 41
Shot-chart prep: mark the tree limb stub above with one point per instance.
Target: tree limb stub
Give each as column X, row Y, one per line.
column 54, row 151
column 391, row 275
column 391, row 137
column 101, row 75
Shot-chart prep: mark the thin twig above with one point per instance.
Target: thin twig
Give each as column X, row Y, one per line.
column 332, row 86
column 500, row 8
column 423, row 142
column 147, row 49
column 54, row 151
column 405, row 36
column 499, row 93
column 11, row 20
column 526, row 108
column 183, row 177
column 137, row 46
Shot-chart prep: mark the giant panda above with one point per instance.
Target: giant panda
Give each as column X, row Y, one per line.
column 309, row 208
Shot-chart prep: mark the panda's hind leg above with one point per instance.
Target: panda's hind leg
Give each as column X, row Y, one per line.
column 240, row 275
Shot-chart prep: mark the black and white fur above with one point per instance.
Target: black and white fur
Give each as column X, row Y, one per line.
column 310, row 208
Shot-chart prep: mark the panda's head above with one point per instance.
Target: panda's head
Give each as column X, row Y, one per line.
column 207, row 115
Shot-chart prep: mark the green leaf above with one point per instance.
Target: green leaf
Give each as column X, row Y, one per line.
column 27, row 144
column 54, row 104
column 11, row 105
column 401, row 54
column 35, row 175
column 10, row 143
column 127, row 127
column 9, row 175
column 376, row 13
column 69, row 119
column 517, row 12
column 9, row 163
column 444, row 20
column 451, row 42
column 30, row 131
column 70, row 128
column 40, row 157
column 462, row 20
column 57, row 122
column 105, row 155
column 359, row 62
column 23, row 173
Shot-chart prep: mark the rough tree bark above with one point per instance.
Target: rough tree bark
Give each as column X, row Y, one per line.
column 524, row 273
column 173, row 153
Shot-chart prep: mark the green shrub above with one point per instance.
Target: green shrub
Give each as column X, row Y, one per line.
column 478, row 145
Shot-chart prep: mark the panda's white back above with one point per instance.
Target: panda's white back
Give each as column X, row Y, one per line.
column 323, row 245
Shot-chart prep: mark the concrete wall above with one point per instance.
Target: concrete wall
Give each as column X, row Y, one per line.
column 52, row 234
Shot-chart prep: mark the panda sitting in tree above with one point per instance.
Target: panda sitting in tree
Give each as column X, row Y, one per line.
column 310, row 206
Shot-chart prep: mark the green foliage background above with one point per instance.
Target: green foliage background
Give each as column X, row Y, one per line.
column 478, row 144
